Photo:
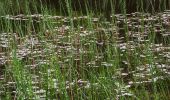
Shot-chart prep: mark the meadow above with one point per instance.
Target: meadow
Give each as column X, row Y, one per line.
column 84, row 50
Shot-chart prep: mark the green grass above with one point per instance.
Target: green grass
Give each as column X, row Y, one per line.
column 83, row 55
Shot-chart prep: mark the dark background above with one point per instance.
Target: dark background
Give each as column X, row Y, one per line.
column 84, row 6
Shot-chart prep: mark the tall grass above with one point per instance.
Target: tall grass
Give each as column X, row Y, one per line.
column 92, row 66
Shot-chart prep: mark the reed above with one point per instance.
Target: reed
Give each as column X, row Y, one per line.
column 84, row 49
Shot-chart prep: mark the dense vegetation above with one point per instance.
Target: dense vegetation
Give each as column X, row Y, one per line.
column 85, row 49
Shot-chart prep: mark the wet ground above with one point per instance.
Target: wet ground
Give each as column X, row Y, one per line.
column 141, row 41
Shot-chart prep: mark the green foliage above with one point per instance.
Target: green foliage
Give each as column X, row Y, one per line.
column 74, row 50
